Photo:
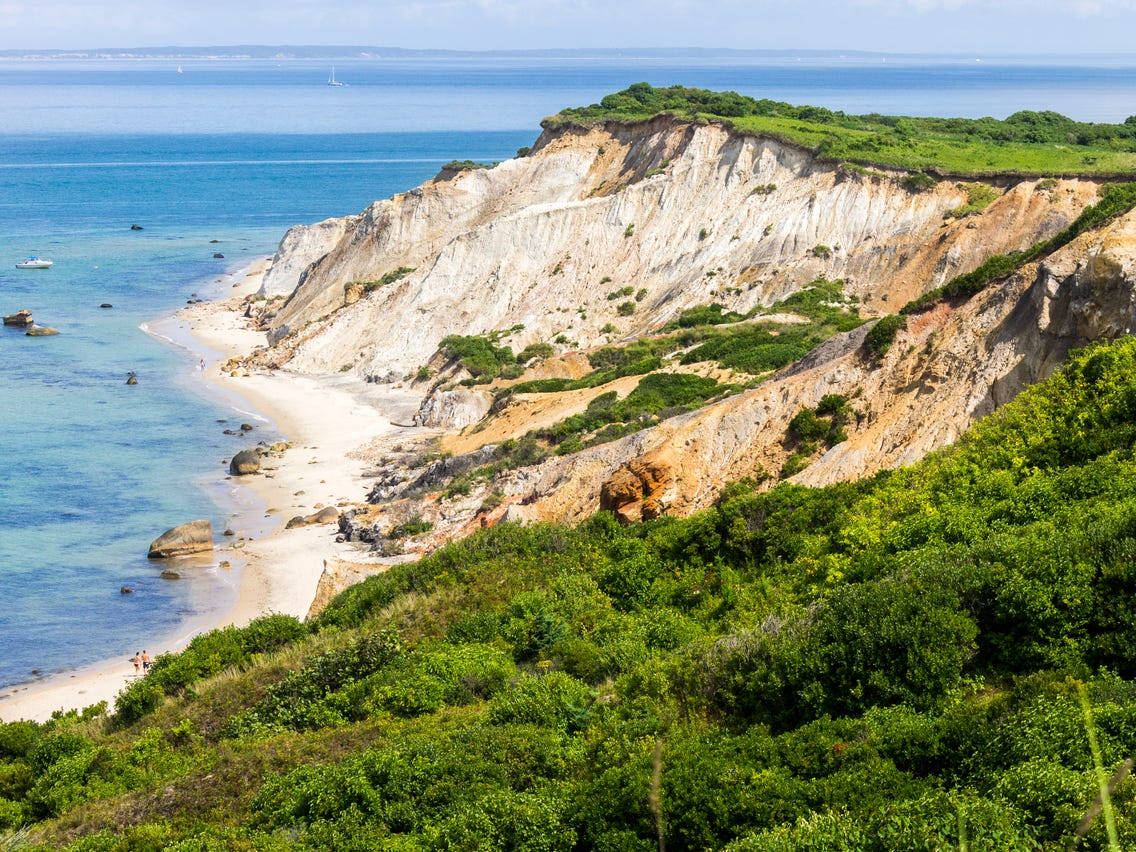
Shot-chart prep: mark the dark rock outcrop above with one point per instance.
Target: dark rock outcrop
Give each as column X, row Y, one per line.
column 19, row 318
column 245, row 462
column 440, row 472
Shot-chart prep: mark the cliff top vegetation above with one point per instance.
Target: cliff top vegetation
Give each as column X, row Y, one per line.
column 1025, row 143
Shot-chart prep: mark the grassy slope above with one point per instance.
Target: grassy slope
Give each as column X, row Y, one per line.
column 866, row 666
column 1027, row 143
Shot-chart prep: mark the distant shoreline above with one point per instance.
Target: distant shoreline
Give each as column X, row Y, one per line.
column 377, row 52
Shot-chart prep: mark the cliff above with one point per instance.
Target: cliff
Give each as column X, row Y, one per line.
column 683, row 214
column 691, row 213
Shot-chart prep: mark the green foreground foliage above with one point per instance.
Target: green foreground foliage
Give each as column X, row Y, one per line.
column 890, row 664
column 1025, row 143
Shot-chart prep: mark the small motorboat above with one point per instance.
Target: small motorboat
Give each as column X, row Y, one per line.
column 34, row 262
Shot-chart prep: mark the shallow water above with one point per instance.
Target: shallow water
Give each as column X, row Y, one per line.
column 237, row 152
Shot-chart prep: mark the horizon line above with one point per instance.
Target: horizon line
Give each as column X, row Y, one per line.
column 342, row 51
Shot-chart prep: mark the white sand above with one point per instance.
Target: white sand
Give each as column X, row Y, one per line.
column 327, row 420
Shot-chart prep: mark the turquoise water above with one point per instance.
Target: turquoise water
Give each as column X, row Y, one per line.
column 94, row 469
column 237, row 152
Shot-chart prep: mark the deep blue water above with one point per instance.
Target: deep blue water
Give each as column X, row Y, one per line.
column 237, row 152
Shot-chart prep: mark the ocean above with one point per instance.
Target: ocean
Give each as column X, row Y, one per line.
column 237, row 151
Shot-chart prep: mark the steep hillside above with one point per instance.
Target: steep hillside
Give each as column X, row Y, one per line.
column 934, row 658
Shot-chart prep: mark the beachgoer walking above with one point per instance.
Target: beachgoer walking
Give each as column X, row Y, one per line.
column 137, row 660
column 145, row 662
column 201, row 365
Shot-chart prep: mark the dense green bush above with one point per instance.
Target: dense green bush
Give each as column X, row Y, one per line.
column 206, row 655
column 480, row 355
column 881, row 335
column 886, row 664
column 1025, row 142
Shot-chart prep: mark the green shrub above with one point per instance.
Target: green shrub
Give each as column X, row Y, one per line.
column 414, row 526
column 540, row 351
column 554, row 700
column 712, row 314
column 480, row 355
column 795, row 463
column 881, row 336
column 387, row 278
column 919, row 182
column 625, row 309
column 979, row 196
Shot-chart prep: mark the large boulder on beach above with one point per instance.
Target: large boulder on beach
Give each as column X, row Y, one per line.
column 183, row 540
column 244, row 462
column 326, row 515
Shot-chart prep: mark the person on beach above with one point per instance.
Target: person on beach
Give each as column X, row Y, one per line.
column 201, row 365
column 137, row 660
column 145, row 662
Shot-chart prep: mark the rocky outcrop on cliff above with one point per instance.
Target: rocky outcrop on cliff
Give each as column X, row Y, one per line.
column 302, row 246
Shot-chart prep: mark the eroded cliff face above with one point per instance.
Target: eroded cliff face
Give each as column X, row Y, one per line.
column 667, row 216
column 686, row 213
column 949, row 367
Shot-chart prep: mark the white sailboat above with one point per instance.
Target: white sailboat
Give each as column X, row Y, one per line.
column 331, row 81
column 179, row 70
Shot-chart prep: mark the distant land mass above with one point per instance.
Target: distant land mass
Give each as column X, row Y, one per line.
column 261, row 51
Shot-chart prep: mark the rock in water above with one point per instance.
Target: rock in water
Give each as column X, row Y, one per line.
column 106, row 305
column 41, row 331
column 19, row 318
column 194, row 537
column 131, row 379
column 126, row 590
column 244, row 462
column 218, row 255
column 136, row 227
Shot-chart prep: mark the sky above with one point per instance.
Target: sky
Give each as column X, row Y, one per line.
column 900, row 26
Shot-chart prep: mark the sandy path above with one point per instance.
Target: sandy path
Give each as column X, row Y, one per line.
column 329, row 420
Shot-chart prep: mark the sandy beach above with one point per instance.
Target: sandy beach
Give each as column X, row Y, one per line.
column 336, row 426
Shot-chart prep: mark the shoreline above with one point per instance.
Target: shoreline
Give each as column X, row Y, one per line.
column 336, row 426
